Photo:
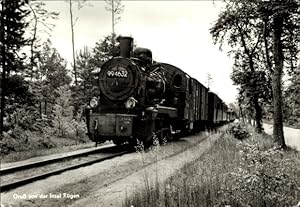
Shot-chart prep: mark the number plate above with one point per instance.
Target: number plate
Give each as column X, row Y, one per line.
column 118, row 74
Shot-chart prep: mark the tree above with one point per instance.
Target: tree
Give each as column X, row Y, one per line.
column 20, row 100
column 244, row 36
column 88, row 64
column 72, row 23
column 38, row 23
column 52, row 72
column 63, row 111
column 13, row 24
column 73, row 45
column 284, row 17
column 105, row 49
column 262, row 18
column 209, row 80
column 116, row 8
column 87, row 82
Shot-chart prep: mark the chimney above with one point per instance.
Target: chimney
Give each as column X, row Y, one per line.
column 126, row 46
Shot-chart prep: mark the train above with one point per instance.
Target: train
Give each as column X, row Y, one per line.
column 142, row 101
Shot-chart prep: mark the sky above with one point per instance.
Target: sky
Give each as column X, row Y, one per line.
column 177, row 32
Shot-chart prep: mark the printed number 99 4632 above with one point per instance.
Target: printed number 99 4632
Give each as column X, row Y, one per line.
column 118, row 74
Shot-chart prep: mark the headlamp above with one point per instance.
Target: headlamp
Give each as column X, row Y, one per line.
column 94, row 102
column 130, row 103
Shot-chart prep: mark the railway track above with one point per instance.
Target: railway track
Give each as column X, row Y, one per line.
column 19, row 175
column 16, row 176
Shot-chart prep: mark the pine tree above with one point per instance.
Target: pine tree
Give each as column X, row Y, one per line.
column 13, row 24
column 38, row 22
column 63, row 111
column 53, row 72
column 105, row 49
column 116, row 8
column 87, row 82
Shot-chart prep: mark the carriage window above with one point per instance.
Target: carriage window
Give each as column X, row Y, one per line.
column 177, row 82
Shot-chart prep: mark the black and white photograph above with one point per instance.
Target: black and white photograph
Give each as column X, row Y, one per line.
column 150, row 103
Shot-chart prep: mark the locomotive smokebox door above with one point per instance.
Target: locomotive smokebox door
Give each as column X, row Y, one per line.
column 118, row 79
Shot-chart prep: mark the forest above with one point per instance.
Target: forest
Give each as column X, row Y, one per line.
column 42, row 99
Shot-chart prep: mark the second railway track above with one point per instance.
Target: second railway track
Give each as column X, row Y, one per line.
column 16, row 176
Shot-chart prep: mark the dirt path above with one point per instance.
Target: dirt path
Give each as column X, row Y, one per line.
column 115, row 194
column 107, row 183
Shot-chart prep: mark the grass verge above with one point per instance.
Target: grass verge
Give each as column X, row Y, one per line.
column 246, row 172
column 29, row 145
column 23, row 155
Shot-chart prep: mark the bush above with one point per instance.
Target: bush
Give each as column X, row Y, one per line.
column 23, row 117
column 7, row 144
column 239, row 131
column 267, row 177
column 77, row 130
column 19, row 140
column 45, row 143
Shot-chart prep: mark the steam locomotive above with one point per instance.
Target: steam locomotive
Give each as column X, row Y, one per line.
column 142, row 100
